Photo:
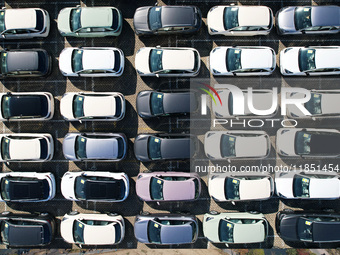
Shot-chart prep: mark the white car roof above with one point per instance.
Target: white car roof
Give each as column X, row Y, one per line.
column 251, row 146
column 98, row 59
column 104, row 17
column 256, row 58
column 327, row 58
column 178, row 59
column 254, row 189
column 24, row 149
column 258, row 16
column 249, row 233
column 99, row 234
column 330, row 103
column 99, row 106
column 324, row 188
column 28, row 18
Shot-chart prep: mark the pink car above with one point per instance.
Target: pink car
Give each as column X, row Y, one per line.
column 168, row 186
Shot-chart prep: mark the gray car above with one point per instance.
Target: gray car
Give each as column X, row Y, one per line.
column 294, row 20
column 95, row 146
column 157, row 103
column 25, row 63
column 149, row 20
column 150, row 147
column 166, row 229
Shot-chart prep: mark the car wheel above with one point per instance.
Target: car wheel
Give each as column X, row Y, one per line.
column 73, row 213
column 112, row 214
column 214, row 213
column 144, row 213
column 5, row 213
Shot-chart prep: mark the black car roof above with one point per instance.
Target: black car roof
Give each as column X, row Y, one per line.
column 28, row 105
column 104, row 189
column 179, row 102
column 31, row 189
column 178, row 16
column 325, row 144
column 326, row 231
column 25, row 234
column 22, row 60
column 175, row 148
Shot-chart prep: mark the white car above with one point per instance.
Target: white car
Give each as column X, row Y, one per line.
column 308, row 142
column 167, row 62
column 322, row 104
column 92, row 62
column 24, row 23
column 93, row 106
column 262, row 100
column 92, row 228
column 236, row 144
column 26, row 147
column 27, row 187
column 95, row 186
column 239, row 186
column 240, row 20
column 304, row 184
column 311, row 60
column 242, row 61
column 29, row 106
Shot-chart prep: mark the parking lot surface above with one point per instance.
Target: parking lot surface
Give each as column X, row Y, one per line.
column 130, row 84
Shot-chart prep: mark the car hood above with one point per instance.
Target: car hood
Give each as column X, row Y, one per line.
column 143, row 104
column 286, row 19
column 67, row 186
column 141, row 231
column 218, row 60
column 176, row 234
column 288, row 228
column 66, row 106
column 64, row 20
column 65, row 61
column 140, row 19
column 210, row 227
column 176, row 148
column 212, row 145
column 68, row 146
column 292, row 109
column 215, row 18
column 216, row 188
column 179, row 190
column 178, row 103
column 286, row 141
column 141, row 148
column 289, row 59
column 284, row 187
column 143, row 187
column 142, row 60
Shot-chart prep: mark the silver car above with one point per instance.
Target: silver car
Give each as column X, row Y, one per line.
column 95, row 146
column 236, row 145
column 24, row 23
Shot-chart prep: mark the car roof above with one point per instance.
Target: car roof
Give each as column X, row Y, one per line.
column 98, row 148
column 325, row 16
column 174, row 59
column 22, row 60
column 28, row 18
column 179, row 102
column 25, row 234
column 25, row 149
column 255, row 189
column 249, row 233
column 256, row 58
column 327, row 58
column 177, row 148
column 26, row 189
column 325, row 143
column 258, row 16
column 176, row 234
column 255, row 146
column 27, row 105
column 97, row 106
column 98, row 59
column 96, row 17
column 326, row 231
column 178, row 16
column 184, row 189
column 103, row 189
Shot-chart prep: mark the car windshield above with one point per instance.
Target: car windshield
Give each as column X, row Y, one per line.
column 2, row 21
column 302, row 143
column 5, row 107
column 5, row 142
column 228, row 146
column 156, row 60
column 4, row 69
column 78, row 106
column 155, row 21
column 301, row 186
column 304, row 229
column 156, row 103
column 154, row 148
column 302, row 17
column 314, row 104
column 225, row 231
column 230, row 17
column 79, row 188
column 233, row 59
column 75, row 19
column 231, row 189
column 77, row 61
column 156, row 189
column 306, row 59
column 80, row 147
column 4, row 228
column 4, row 189
column 154, row 232
column 78, row 232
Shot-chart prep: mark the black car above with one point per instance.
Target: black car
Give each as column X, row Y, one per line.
column 150, row 20
column 26, row 106
column 299, row 226
column 24, row 230
column 157, row 103
column 150, row 147
column 25, row 63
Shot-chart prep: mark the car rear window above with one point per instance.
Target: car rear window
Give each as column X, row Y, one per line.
column 115, row 19
column 43, row 148
column 118, row 106
column 40, row 20
column 117, row 61
column 121, row 147
column 118, row 232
